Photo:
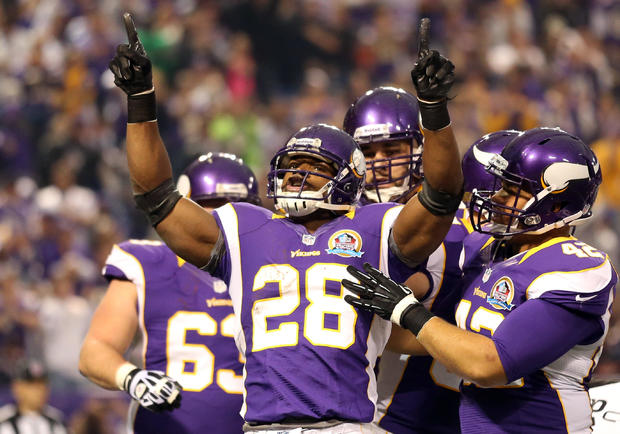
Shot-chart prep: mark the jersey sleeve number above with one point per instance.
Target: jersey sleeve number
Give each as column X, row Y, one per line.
column 198, row 357
column 581, row 250
column 317, row 328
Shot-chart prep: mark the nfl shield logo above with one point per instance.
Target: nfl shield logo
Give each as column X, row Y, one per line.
column 308, row 240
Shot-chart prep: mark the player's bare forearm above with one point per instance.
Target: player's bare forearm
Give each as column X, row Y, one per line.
column 99, row 363
column 441, row 161
column 469, row 355
column 147, row 157
column 111, row 331
column 404, row 342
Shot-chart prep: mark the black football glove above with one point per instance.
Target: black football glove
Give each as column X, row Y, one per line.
column 154, row 390
column 432, row 74
column 378, row 293
column 131, row 66
column 381, row 295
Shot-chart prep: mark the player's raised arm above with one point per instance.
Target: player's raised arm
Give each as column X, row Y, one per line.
column 188, row 230
column 426, row 218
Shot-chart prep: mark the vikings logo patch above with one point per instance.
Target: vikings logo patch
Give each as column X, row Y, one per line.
column 502, row 294
column 346, row 243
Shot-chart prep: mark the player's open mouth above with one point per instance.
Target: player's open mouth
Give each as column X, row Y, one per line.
column 294, row 183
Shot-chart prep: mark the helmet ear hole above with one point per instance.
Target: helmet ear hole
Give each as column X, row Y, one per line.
column 347, row 187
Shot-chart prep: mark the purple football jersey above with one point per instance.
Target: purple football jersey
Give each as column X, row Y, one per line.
column 309, row 354
column 418, row 394
column 562, row 272
column 188, row 327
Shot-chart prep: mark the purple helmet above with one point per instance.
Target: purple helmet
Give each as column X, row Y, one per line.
column 218, row 175
column 557, row 168
column 478, row 156
column 382, row 114
column 327, row 143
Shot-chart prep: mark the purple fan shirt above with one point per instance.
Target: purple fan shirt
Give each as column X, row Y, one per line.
column 188, row 327
column 547, row 310
column 416, row 393
column 309, row 354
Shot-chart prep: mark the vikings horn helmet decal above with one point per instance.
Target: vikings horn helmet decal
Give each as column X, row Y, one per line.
column 558, row 169
column 477, row 158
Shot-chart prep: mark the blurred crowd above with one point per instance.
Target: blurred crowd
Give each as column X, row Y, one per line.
column 241, row 76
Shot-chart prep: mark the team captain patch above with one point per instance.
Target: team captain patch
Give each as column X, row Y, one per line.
column 502, row 294
column 346, row 243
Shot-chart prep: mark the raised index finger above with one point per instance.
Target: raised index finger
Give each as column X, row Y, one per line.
column 425, row 28
column 130, row 27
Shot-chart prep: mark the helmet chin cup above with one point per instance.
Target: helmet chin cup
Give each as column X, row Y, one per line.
column 305, row 203
column 296, row 207
column 390, row 194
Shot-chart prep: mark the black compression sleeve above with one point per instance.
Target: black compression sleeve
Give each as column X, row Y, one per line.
column 159, row 202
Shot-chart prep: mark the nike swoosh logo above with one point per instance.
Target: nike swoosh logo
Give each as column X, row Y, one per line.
column 581, row 299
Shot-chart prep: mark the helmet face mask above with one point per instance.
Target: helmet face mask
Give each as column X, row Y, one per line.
column 477, row 158
column 219, row 176
column 381, row 116
column 503, row 219
column 392, row 178
column 341, row 190
column 558, row 173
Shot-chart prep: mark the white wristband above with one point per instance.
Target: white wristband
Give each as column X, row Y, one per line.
column 122, row 372
column 145, row 92
column 401, row 306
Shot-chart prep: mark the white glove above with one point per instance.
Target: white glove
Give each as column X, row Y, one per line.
column 154, row 390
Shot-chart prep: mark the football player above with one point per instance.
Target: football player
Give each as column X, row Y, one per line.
column 309, row 356
column 531, row 325
column 384, row 122
column 185, row 317
column 415, row 393
column 477, row 247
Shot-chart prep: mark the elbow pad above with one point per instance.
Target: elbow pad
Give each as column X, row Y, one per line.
column 159, row 202
column 438, row 202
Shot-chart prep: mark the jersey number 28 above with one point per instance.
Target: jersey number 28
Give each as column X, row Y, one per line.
column 322, row 305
